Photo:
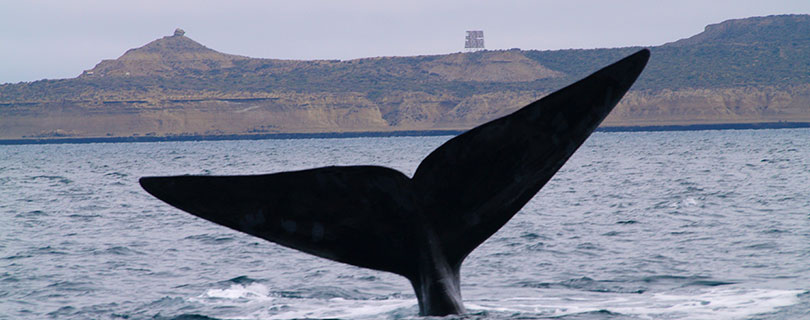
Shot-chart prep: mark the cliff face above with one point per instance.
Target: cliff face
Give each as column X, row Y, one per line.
column 713, row 106
column 740, row 71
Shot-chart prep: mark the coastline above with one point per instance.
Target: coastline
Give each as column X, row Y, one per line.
column 376, row 134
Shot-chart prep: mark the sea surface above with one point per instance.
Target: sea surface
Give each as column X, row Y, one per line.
column 646, row 225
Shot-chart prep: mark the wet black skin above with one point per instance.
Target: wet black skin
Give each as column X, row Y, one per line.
column 422, row 227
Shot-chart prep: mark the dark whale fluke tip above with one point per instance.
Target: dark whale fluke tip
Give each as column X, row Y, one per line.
column 160, row 187
column 630, row 67
column 147, row 183
column 422, row 227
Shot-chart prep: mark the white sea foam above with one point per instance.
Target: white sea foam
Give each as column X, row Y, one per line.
column 257, row 297
column 716, row 303
column 347, row 309
column 253, row 291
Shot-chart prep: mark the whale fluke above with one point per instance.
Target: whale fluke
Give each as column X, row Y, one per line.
column 422, row 227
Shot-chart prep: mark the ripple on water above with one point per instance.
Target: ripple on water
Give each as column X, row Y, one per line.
column 62, row 312
column 84, row 217
column 210, row 239
column 118, row 251
column 584, row 284
column 58, row 179
column 32, row 214
column 116, row 174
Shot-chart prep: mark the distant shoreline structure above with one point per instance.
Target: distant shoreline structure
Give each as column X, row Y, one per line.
column 384, row 134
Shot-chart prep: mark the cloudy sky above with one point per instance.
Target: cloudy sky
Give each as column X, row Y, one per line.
column 51, row 39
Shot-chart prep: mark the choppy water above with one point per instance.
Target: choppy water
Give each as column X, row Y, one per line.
column 669, row 225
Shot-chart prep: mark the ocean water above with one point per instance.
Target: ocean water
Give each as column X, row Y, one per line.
column 650, row 225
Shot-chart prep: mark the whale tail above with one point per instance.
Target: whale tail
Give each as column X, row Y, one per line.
column 421, row 227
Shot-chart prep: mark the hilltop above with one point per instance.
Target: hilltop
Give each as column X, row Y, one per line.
column 170, row 56
column 750, row 70
column 752, row 31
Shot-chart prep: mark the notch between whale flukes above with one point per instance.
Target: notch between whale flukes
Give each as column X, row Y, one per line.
column 422, row 227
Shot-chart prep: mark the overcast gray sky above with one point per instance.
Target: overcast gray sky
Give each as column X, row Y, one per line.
column 58, row 38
